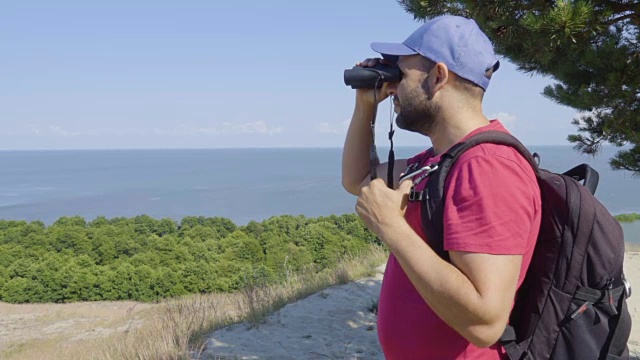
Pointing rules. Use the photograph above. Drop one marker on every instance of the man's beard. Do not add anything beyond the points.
(418, 113)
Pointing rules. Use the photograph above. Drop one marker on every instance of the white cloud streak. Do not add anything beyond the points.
(58, 131)
(227, 128)
(255, 127)
(504, 117)
(336, 129)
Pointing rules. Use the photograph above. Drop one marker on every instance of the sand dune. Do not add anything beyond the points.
(337, 324)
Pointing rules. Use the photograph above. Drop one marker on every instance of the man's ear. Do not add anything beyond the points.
(435, 80)
(440, 74)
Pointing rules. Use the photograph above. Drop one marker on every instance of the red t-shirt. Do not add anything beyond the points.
(492, 205)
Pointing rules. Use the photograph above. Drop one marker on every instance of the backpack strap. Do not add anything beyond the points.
(584, 172)
(618, 348)
(513, 349)
(433, 203)
(621, 329)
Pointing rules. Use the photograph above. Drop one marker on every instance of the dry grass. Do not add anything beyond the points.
(46, 331)
(172, 329)
(176, 329)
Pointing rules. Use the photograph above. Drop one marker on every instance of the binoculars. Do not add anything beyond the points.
(368, 77)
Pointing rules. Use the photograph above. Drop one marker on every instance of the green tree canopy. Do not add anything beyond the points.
(590, 48)
(147, 259)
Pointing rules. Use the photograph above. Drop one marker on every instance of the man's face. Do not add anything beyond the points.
(413, 100)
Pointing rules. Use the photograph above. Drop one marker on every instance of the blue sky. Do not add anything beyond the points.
(212, 74)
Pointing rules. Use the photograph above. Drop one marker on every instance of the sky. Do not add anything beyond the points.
(210, 74)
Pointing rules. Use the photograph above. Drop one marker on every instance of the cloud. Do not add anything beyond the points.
(256, 127)
(510, 121)
(57, 130)
(227, 128)
(35, 129)
(504, 117)
(52, 130)
(339, 129)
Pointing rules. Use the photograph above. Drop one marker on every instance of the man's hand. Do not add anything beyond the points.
(365, 96)
(381, 207)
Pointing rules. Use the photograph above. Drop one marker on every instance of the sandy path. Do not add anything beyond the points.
(337, 324)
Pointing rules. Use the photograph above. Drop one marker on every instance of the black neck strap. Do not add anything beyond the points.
(374, 161)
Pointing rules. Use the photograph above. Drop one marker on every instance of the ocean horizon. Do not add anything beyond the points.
(242, 184)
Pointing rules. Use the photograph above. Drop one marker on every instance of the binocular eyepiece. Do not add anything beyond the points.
(367, 77)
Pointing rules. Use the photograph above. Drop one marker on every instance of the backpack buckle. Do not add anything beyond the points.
(429, 169)
(627, 287)
(415, 195)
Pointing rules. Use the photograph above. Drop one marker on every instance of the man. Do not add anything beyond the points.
(430, 308)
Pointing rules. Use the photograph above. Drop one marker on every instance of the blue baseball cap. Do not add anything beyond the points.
(455, 41)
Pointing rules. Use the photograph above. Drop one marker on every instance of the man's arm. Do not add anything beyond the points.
(489, 213)
(355, 157)
(473, 294)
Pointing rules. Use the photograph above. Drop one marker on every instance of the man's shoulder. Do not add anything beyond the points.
(489, 150)
(500, 155)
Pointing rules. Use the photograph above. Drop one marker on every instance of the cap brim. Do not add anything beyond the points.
(392, 49)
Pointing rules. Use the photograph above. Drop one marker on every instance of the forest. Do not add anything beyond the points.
(147, 259)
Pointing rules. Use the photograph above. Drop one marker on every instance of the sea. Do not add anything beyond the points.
(239, 184)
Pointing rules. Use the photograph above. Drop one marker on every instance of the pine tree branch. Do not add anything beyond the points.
(598, 75)
(619, 7)
(634, 16)
(625, 8)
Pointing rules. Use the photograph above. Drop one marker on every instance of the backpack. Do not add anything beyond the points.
(572, 302)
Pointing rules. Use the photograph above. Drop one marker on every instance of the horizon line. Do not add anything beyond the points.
(245, 148)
